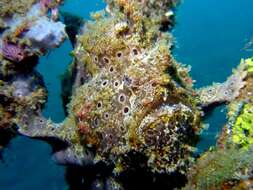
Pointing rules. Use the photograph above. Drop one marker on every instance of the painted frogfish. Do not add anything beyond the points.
(129, 96)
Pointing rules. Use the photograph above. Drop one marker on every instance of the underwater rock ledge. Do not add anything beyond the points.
(229, 165)
(26, 32)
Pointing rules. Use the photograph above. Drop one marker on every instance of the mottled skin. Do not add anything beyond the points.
(135, 98)
(121, 108)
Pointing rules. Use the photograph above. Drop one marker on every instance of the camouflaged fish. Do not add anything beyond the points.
(129, 96)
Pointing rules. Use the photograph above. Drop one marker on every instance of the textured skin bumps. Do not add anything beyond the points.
(135, 98)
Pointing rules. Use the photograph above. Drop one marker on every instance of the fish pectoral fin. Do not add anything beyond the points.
(34, 125)
(70, 156)
(224, 92)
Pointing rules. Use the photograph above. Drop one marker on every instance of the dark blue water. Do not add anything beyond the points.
(210, 36)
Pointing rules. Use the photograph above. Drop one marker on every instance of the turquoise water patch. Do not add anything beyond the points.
(82, 8)
(52, 67)
(210, 36)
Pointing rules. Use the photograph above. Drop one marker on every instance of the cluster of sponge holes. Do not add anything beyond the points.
(101, 62)
(106, 115)
(105, 83)
(133, 53)
(96, 119)
(122, 98)
(119, 55)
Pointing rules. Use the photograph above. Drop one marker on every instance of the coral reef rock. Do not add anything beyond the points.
(26, 32)
(28, 29)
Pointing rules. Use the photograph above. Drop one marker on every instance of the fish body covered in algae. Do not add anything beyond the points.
(133, 96)
(129, 98)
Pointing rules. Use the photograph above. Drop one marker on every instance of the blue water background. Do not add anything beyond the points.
(209, 36)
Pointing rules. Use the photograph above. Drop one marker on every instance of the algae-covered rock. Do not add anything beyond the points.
(22, 89)
(31, 33)
(222, 169)
(20, 44)
(20, 93)
(230, 164)
(11, 7)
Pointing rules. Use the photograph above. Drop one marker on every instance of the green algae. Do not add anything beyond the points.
(249, 63)
(243, 128)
